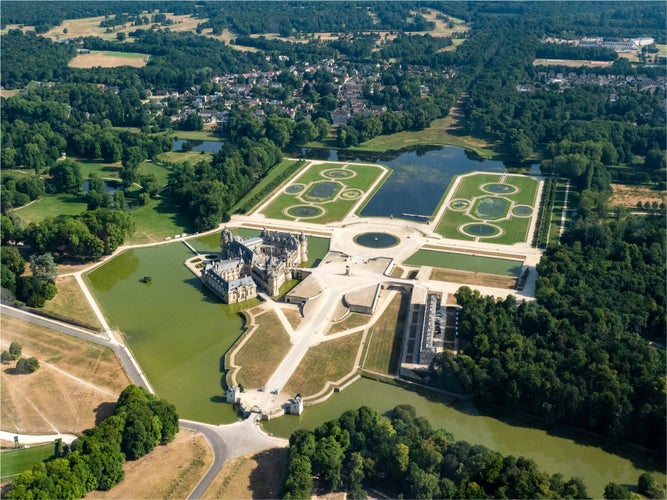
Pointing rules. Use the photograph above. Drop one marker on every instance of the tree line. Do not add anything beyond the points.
(403, 456)
(139, 423)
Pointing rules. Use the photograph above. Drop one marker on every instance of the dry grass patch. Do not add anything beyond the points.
(384, 340)
(253, 476)
(8, 93)
(329, 361)
(77, 384)
(170, 471)
(352, 320)
(570, 63)
(90, 26)
(71, 303)
(629, 196)
(98, 59)
(472, 278)
(293, 316)
(263, 351)
(397, 272)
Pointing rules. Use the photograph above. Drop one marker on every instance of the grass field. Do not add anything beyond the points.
(70, 303)
(275, 173)
(263, 351)
(491, 201)
(384, 344)
(330, 196)
(52, 206)
(108, 59)
(168, 472)
(328, 361)
(557, 212)
(16, 461)
(465, 262)
(352, 320)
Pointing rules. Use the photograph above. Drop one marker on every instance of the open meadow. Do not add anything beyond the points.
(77, 384)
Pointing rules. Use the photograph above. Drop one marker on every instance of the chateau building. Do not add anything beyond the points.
(265, 262)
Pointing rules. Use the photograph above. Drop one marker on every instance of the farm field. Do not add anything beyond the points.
(323, 193)
(465, 262)
(495, 208)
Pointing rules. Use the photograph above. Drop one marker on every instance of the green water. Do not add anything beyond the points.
(584, 457)
(177, 330)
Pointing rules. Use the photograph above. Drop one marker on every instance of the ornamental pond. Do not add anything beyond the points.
(179, 333)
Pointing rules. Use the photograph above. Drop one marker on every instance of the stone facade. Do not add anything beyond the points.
(265, 262)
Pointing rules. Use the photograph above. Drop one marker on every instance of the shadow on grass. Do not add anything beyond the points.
(267, 478)
(103, 411)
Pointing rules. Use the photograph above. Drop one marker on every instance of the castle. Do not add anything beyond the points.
(265, 262)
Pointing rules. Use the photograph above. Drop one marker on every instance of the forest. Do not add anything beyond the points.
(404, 457)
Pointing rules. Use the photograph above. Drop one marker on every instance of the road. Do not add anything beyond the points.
(131, 367)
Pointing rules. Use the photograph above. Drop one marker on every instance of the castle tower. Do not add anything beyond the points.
(225, 240)
(303, 241)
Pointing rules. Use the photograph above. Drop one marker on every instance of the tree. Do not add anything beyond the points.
(66, 177)
(15, 350)
(648, 486)
(27, 365)
(614, 491)
(43, 267)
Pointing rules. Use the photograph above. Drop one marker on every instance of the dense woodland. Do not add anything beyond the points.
(583, 353)
(404, 457)
(140, 422)
(580, 355)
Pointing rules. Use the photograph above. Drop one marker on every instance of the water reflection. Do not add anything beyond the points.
(198, 146)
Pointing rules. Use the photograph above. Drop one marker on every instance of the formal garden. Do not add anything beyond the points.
(495, 208)
(323, 193)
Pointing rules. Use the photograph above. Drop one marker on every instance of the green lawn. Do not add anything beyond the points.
(277, 171)
(16, 461)
(100, 168)
(439, 133)
(384, 344)
(113, 53)
(156, 220)
(464, 262)
(52, 205)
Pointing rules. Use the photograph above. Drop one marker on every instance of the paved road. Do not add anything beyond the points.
(229, 442)
(36, 438)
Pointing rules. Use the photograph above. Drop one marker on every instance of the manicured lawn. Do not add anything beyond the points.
(52, 205)
(352, 320)
(16, 461)
(100, 168)
(557, 212)
(156, 220)
(464, 262)
(384, 346)
(262, 353)
(328, 361)
(325, 191)
(273, 174)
